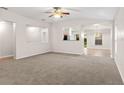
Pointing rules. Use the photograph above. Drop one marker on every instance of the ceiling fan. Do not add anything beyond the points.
(59, 12)
(5, 8)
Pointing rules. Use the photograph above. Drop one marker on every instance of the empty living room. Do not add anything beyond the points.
(61, 45)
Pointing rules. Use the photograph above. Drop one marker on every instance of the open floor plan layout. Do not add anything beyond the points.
(61, 45)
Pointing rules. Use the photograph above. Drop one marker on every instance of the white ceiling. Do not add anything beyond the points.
(98, 26)
(103, 13)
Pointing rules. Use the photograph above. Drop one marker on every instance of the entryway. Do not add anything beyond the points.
(97, 40)
(7, 40)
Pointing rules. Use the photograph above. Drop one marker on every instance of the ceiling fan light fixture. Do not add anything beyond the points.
(57, 16)
(58, 12)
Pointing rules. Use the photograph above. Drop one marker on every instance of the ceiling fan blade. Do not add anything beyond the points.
(46, 12)
(5, 8)
(50, 15)
(56, 8)
(65, 13)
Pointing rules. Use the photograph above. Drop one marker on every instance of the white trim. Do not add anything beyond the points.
(68, 52)
(120, 72)
(7, 56)
(31, 55)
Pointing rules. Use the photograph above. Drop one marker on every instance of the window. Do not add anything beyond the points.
(71, 34)
(98, 38)
(85, 40)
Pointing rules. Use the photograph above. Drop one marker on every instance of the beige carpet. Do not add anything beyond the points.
(53, 68)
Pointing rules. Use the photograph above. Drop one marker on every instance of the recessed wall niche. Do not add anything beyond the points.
(36, 34)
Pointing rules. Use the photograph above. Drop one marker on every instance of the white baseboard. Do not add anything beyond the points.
(6, 56)
(122, 77)
(68, 52)
(26, 56)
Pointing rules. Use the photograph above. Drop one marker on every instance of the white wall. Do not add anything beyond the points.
(74, 47)
(6, 39)
(56, 43)
(24, 49)
(33, 34)
(59, 45)
(106, 39)
(119, 41)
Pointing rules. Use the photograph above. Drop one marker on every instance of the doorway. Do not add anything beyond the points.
(97, 40)
(85, 40)
(7, 40)
(85, 43)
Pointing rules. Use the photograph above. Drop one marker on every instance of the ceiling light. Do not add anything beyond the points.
(59, 11)
(96, 24)
(57, 16)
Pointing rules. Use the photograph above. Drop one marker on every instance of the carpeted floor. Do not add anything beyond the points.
(60, 69)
